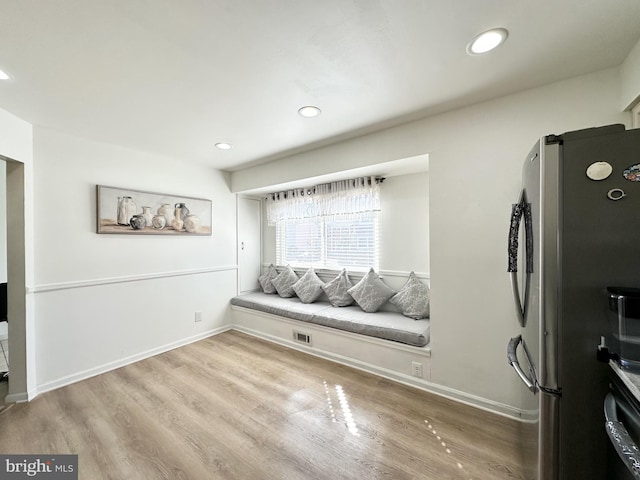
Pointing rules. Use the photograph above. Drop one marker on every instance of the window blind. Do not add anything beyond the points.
(329, 242)
(330, 226)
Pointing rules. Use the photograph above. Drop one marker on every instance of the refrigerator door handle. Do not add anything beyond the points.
(512, 356)
(518, 211)
(620, 439)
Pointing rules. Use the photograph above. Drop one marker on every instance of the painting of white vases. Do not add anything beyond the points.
(136, 212)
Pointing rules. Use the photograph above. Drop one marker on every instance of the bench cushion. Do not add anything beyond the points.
(387, 325)
(277, 305)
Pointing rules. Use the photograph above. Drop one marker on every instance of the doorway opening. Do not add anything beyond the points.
(19, 306)
(4, 326)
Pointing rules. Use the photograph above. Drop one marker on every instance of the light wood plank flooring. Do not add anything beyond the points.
(235, 407)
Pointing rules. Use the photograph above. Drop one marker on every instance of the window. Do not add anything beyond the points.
(331, 226)
(329, 242)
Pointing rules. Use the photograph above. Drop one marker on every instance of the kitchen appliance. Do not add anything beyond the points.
(622, 415)
(574, 230)
(624, 326)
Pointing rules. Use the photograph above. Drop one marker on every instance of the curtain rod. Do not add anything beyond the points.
(311, 189)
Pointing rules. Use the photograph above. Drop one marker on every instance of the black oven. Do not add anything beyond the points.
(622, 422)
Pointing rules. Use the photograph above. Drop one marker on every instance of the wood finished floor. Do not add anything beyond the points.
(235, 407)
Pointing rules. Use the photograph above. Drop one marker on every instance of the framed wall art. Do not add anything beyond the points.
(135, 212)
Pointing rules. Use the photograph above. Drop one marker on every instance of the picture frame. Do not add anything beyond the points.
(137, 212)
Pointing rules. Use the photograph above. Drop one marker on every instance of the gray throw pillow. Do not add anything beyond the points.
(371, 292)
(412, 299)
(337, 288)
(309, 287)
(284, 282)
(266, 278)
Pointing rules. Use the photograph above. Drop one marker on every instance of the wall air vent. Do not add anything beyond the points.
(302, 337)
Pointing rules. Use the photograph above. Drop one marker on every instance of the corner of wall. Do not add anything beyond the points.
(630, 79)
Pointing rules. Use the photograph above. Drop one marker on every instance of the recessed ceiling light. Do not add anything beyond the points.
(309, 111)
(4, 75)
(223, 146)
(487, 41)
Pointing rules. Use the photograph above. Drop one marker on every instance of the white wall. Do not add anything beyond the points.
(404, 223)
(475, 159)
(104, 300)
(630, 81)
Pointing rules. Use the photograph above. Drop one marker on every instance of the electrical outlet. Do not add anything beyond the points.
(198, 316)
(416, 369)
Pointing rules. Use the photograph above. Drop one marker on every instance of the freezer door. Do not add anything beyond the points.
(533, 353)
(543, 174)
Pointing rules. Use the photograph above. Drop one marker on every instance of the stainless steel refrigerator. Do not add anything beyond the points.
(574, 231)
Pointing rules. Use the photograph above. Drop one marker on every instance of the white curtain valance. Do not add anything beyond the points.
(345, 197)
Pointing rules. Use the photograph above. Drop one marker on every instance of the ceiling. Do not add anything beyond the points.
(175, 77)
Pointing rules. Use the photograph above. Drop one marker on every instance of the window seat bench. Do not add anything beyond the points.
(387, 325)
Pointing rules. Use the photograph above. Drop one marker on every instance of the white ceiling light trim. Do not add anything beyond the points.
(4, 75)
(309, 111)
(487, 41)
(224, 146)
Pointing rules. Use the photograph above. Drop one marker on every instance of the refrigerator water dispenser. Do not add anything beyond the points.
(624, 325)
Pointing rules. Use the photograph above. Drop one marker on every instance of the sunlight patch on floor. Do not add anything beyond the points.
(329, 402)
(444, 445)
(345, 409)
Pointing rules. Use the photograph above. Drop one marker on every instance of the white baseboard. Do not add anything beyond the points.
(92, 372)
(18, 398)
(450, 393)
